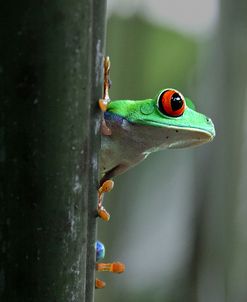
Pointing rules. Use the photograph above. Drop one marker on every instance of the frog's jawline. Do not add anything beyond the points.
(113, 117)
(131, 143)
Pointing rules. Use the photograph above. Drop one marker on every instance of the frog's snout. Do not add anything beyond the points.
(209, 121)
(211, 128)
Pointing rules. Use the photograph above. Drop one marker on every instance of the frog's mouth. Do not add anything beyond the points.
(187, 137)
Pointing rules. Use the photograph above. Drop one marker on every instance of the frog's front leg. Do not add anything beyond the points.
(107, 185)
(103, 103)
(106, 99)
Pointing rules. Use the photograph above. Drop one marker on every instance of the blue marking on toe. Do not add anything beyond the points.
(100, 250)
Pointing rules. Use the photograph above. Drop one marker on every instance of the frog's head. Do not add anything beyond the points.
(169, 110)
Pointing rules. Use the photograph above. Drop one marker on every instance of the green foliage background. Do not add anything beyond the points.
(146, 58)
(179, 218)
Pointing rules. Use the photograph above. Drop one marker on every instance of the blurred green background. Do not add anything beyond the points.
(179, 219)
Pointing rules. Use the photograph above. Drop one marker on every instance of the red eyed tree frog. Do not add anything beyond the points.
(131, 130)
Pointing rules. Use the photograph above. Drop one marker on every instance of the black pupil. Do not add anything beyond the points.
(176, 102)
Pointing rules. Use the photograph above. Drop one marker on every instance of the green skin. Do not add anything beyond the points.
(138, 128)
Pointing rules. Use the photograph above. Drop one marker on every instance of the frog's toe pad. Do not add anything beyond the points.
(107, 186)
(103, 214)
(103, 104)
(99, 283)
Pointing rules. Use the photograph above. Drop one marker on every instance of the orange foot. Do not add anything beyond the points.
(107, 186)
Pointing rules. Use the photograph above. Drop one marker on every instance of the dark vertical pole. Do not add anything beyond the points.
(50, 79)
(98, 34)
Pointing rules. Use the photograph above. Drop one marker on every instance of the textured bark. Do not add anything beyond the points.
(50, 80)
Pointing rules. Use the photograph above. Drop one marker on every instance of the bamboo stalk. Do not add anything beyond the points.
(50, 77)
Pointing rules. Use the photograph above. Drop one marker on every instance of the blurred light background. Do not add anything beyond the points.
(179, 219)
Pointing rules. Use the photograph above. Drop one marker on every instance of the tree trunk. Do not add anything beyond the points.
(51, 78)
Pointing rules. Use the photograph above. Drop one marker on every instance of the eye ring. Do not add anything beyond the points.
(171, 102)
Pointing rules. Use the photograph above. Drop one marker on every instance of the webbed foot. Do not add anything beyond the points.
(113, 267)
(107, 186)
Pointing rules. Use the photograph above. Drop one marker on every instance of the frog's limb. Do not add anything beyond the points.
(107, 82)
(106, 99)
(103, 103)
(99, 283)
(113, 267)
(106, 186)
(119, 169)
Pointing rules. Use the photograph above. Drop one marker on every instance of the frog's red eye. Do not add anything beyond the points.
(171, 103)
